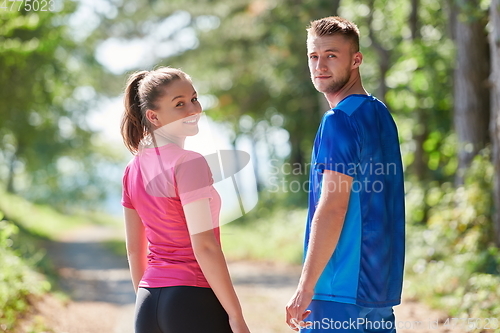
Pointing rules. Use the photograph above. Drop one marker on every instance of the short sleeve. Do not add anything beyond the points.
(337, 144)
(126, 202)
(193, 178)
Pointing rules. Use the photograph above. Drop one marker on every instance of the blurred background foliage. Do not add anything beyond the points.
(434, 63)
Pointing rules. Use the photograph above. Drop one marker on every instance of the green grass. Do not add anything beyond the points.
(117, 246)
(278, 237)
(18, 278)
(25, 270)
(39, 220)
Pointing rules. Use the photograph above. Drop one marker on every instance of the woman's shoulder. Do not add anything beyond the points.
(131, 163)
(190, 154)
(170, 156)
(192, 159)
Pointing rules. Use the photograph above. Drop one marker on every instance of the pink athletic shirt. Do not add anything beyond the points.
(157, 183)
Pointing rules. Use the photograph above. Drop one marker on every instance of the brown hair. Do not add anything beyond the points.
(142, 91)
(335, 25)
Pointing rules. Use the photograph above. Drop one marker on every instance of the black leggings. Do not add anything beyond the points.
(179, 309)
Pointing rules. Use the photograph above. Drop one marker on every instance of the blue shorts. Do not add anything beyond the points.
(328, 316)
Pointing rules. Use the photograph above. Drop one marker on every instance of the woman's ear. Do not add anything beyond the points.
(152, 117)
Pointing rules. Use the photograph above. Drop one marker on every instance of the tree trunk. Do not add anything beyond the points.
(471, 91)
(256, 163)
(495, 110)
(452, 13)
(384, 55)
(414, 21)
(10, 176)
(421, 132)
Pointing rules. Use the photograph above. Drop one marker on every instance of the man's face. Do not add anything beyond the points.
(331, 60)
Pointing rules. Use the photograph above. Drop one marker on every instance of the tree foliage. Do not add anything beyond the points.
(47, 89)
(248, 61)
(248, 57)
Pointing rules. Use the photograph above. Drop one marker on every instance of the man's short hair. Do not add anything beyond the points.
(333, 25)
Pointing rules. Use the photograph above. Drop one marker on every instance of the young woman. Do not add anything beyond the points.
(172, 212)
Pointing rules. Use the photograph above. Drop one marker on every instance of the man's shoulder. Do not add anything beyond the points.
(357, 102)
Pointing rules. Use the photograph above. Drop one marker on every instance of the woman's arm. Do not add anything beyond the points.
(136, 245)
(209, 255)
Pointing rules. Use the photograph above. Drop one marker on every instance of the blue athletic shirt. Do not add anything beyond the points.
(359, 138)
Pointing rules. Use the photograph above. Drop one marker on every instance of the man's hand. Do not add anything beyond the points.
(296, 309)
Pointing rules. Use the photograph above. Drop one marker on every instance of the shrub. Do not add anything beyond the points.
(18, 280)
(452, 261)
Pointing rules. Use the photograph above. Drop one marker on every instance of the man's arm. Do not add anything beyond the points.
(326, 227)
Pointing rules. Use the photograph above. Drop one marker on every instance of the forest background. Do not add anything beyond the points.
(436, 64)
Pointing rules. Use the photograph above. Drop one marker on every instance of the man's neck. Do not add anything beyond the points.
(352, 87)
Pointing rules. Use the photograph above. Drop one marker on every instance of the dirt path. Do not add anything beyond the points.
(98, 282)
(102, 297)
(265, 289)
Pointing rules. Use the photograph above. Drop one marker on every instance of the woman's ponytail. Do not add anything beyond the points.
(133, 126)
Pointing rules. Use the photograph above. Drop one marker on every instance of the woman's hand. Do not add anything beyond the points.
(238, 325)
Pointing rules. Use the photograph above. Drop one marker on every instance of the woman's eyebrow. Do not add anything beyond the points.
(180, 96)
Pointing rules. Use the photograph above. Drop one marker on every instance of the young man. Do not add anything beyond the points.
(354, 245)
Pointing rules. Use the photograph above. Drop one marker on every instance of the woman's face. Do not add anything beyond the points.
(178, 110)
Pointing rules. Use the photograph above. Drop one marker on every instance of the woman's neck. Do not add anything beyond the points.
(161, 138)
